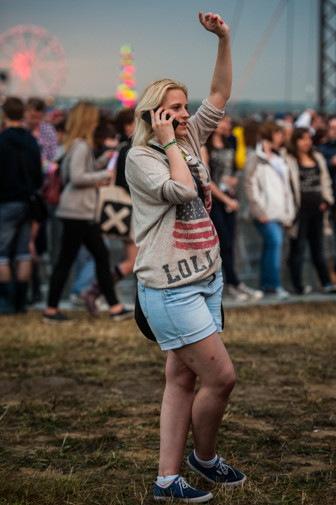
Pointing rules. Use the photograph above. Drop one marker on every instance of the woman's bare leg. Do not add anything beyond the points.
(175, 414)
(209, 360)
(5, 273)
(24, 270)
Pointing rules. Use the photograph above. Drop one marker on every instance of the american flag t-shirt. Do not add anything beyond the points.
(193, 228)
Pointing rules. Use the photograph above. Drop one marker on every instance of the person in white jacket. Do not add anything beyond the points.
(271, 204)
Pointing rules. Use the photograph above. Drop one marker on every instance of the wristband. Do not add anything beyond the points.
(172, 143)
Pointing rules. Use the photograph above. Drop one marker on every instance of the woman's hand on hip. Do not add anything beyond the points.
(263, 219)
(163, 127)
(214, 23)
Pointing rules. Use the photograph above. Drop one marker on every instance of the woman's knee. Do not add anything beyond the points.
(226, 381)
(273, 235)
(180, 377)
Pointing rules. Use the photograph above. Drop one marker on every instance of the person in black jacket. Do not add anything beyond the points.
(20, 173)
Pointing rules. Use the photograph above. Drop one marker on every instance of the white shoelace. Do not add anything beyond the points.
(183, 483)
(223, 466)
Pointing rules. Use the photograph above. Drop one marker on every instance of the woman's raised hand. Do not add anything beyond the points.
(214, 23)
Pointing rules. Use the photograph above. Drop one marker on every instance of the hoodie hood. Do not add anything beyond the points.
(17, 137)
(18, 149)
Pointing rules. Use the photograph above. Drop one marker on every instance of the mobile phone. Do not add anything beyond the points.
(147, 117)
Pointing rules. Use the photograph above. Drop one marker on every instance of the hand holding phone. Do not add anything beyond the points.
(147, 117)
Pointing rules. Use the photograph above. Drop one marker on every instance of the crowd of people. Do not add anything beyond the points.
(288, 167)
(61, 158)
(288, 174)
(287, 164)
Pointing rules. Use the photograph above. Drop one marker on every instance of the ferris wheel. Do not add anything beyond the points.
(32, 62)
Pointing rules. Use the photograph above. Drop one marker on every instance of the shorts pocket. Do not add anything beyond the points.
(142, 299)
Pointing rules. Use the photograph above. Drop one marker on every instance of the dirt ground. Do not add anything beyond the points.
(80, 404)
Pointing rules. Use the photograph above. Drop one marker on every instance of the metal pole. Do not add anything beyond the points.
(327, 54)
(321, 102)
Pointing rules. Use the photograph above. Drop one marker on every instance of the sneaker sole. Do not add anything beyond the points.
(201, 499)
(256, 297)
(50, 321)
(236, 483)
(238, 298)
(122, 317)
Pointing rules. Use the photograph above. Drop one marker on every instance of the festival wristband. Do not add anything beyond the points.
(172, 143)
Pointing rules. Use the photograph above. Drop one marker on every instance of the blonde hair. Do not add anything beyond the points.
(153, 96)
(81, 123)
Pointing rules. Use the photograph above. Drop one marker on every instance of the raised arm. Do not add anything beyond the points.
(220, 88)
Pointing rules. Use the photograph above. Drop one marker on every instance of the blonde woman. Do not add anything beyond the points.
(81, 175)
(179, 271)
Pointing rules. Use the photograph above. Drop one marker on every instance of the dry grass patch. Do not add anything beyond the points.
(80, 409)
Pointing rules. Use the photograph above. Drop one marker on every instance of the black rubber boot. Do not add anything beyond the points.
(20, 302)
(6, 298)
(35, 286)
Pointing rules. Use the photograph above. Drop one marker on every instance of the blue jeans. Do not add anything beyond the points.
(15, 228)
(85, 271)
(270, 261)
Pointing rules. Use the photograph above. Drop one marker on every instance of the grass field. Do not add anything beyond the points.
(80, 405)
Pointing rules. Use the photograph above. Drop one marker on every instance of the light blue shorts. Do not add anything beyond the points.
(186, 314)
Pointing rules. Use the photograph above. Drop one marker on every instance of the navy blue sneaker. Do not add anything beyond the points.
(179, 490)
(55, 318)
(220, 472)
(122, 315)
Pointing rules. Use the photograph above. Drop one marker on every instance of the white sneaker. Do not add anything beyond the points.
(77, 300)
(279, 293)
(236, 294)
(101, 303)
(257, 294)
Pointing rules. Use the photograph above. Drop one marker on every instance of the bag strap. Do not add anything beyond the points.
(158, 148)
(141, 320)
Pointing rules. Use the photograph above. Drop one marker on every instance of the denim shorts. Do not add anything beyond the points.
(15, 228)
(185, 314)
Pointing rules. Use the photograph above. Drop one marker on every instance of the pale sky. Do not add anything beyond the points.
(168, 41)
